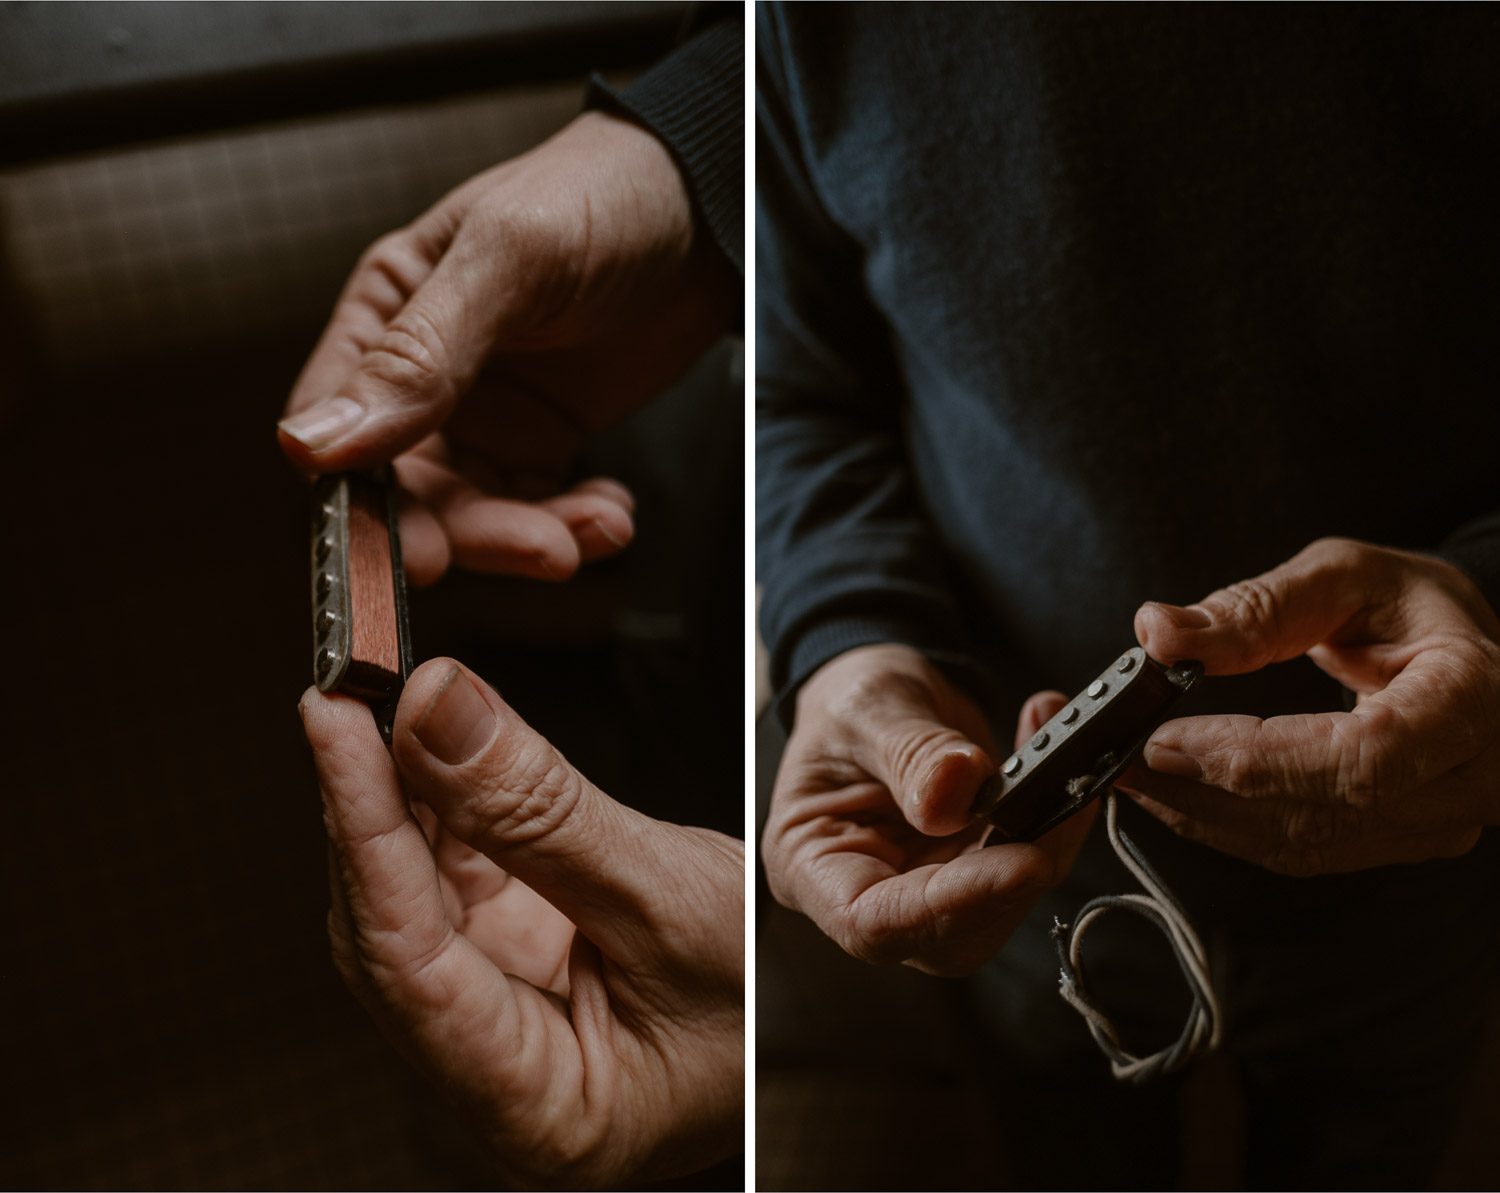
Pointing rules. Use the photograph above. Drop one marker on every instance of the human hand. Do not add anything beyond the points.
(569, 971)
(1410, 774)
(563, 288)
(870, 833)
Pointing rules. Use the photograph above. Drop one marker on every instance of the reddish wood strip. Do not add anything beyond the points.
(375, 653)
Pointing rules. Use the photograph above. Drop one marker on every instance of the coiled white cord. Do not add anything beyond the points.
(1201, 1032)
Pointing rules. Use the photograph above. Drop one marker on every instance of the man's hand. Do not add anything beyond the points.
(569, 971)
(1412, 773)
(870, 833)
(564, 288)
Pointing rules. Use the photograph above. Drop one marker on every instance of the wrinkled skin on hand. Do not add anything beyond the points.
(1412, 773)
(870, 833)
(568, 971)
(481, 345)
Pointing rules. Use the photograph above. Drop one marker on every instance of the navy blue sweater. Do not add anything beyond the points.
(1063, 308)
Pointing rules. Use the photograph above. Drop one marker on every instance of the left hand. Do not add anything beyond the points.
(1412, 773)
(479, 347)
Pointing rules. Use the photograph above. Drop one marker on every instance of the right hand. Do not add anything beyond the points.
(565, 288)
(870, 833)
(569, 971)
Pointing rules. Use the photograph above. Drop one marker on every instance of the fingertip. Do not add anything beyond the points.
(321, 428)
(425, 553)
(610, 489)
(605, 535)
(335, 723)
(423, 684)
(601, 525)
(1039, 708)
(943, 801)
(457, 722)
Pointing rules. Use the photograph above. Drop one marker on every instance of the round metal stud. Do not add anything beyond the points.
(326, 660)
(325, 585)
(326, 620)
(325, 545)
(1126, 664)
(1039, 742)
(1070, 714)
(1098, 688)
(1012, 767)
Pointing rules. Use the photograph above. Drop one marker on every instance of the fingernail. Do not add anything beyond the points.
(321, 426)
(457, 722)
(947, 761)
(1190, 617)
(605, 531)
(1168, 761)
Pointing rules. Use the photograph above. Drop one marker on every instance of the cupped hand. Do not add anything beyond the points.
(558, 291)
(1412, 773)
(870, 833)
(569, 971)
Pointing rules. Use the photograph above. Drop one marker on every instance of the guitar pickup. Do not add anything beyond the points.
(361, 639)
(1074, 757)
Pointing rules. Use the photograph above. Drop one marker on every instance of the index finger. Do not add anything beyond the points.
(1422, 725)
(417, 963)
(385, 277)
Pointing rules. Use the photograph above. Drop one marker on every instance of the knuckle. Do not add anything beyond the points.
(412, 357)
(1255, 605)
(534, 792)
(1296, 861)
(874, 944)
(386, 255)
(913, 749)
(1336, 551)
(1239, 771)
(1312, 826)
(873, 931)
(417, 979)
(1362, 766)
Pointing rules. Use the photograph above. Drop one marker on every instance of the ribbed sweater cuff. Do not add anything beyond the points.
(1475, 550)
(694, 102)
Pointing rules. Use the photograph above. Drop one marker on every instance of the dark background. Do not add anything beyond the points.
(185, 189)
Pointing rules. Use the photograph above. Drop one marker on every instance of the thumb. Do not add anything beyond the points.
(906, 738)
(503, 789)
(410, 373)
(1269, 618)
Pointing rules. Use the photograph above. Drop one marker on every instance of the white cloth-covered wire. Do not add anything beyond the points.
(1201, 1032)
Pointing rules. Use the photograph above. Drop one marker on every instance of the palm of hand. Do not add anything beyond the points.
(514, 927)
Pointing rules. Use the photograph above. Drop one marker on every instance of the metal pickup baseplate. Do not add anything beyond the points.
(1074, 757)
(361, 638)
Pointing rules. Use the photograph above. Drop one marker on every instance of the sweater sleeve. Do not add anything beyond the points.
(693, 101)
(1474, 548)
(845, 553)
